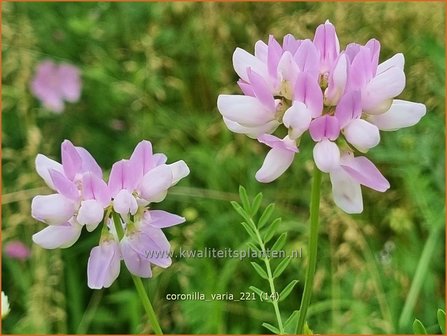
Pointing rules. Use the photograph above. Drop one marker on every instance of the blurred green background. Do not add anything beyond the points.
(154, 71)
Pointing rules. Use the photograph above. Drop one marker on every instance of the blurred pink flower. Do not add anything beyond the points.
(15, 249)
(54, 84)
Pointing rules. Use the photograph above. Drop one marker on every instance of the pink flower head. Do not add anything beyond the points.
(15, 249)
(82, 198)
(54, 84)
(342, 97)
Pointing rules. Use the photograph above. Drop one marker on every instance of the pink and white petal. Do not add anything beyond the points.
(374, 47)
(43, 167)
(326, 155)
(261, 50)
(364, 172)
(362, 134)
(337, 81)
(346, 192)
(327, 44)
(162, 219)
(261, 89)
(179, 170)
(135, 263)
(308, 91)
(386, 85)
(71, 160)
(307, 59)
(275, 164)
(90, 214)
(58, 236)
(361, 69)
(242, 60)
(252, 132)
(89, 164)
(245, 110)
(290, 44)
(324, 127)
(287, 68)
(274, 52)
(348, 108)
(159, 159)
(151, 243)
(397, 60)
(246, 88)
(274, 142)
(122, 177)
(95, 188)
(401, 114)
(103, 265)
(54, 209)
(155, 183)
(142, 158)
(297, 119)
(125, 203)
(64, 186)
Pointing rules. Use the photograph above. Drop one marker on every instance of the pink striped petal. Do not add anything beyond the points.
(308, 91)
(364, 172)
(64, 186)
(103, 265)
(324, 127)
(95, 188)
(261, 89)
(162, 219)
(348, 108)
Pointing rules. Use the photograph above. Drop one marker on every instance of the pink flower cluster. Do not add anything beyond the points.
(55, 84)
(343, 98)
(83, 198)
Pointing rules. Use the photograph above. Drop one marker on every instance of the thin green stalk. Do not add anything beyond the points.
(271, 282)
(312, 249)
(139, 284)
(418, 280)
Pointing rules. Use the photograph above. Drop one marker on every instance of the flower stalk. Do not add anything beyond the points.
(139, 284)
(312, 249)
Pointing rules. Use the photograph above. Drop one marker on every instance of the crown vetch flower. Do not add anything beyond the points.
(54, 84)
(343, 97)
(82, 198)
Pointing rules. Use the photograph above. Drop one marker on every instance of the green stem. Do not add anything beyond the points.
(271, 282)
(312, 249)
(139, 284)
(418, 280)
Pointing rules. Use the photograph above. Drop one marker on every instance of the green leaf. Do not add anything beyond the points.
(271, 230)
(259, 270)
(256, 204)
(292, 322)
(307, 330)
(240, 211)
(287, 290)
(254, 247)
(244, 199)
(280, 242)
(266, 215)
(250, 231)
(441, 320)
(418, 328)
(281, 267)
(273, 329)
(258, 291)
